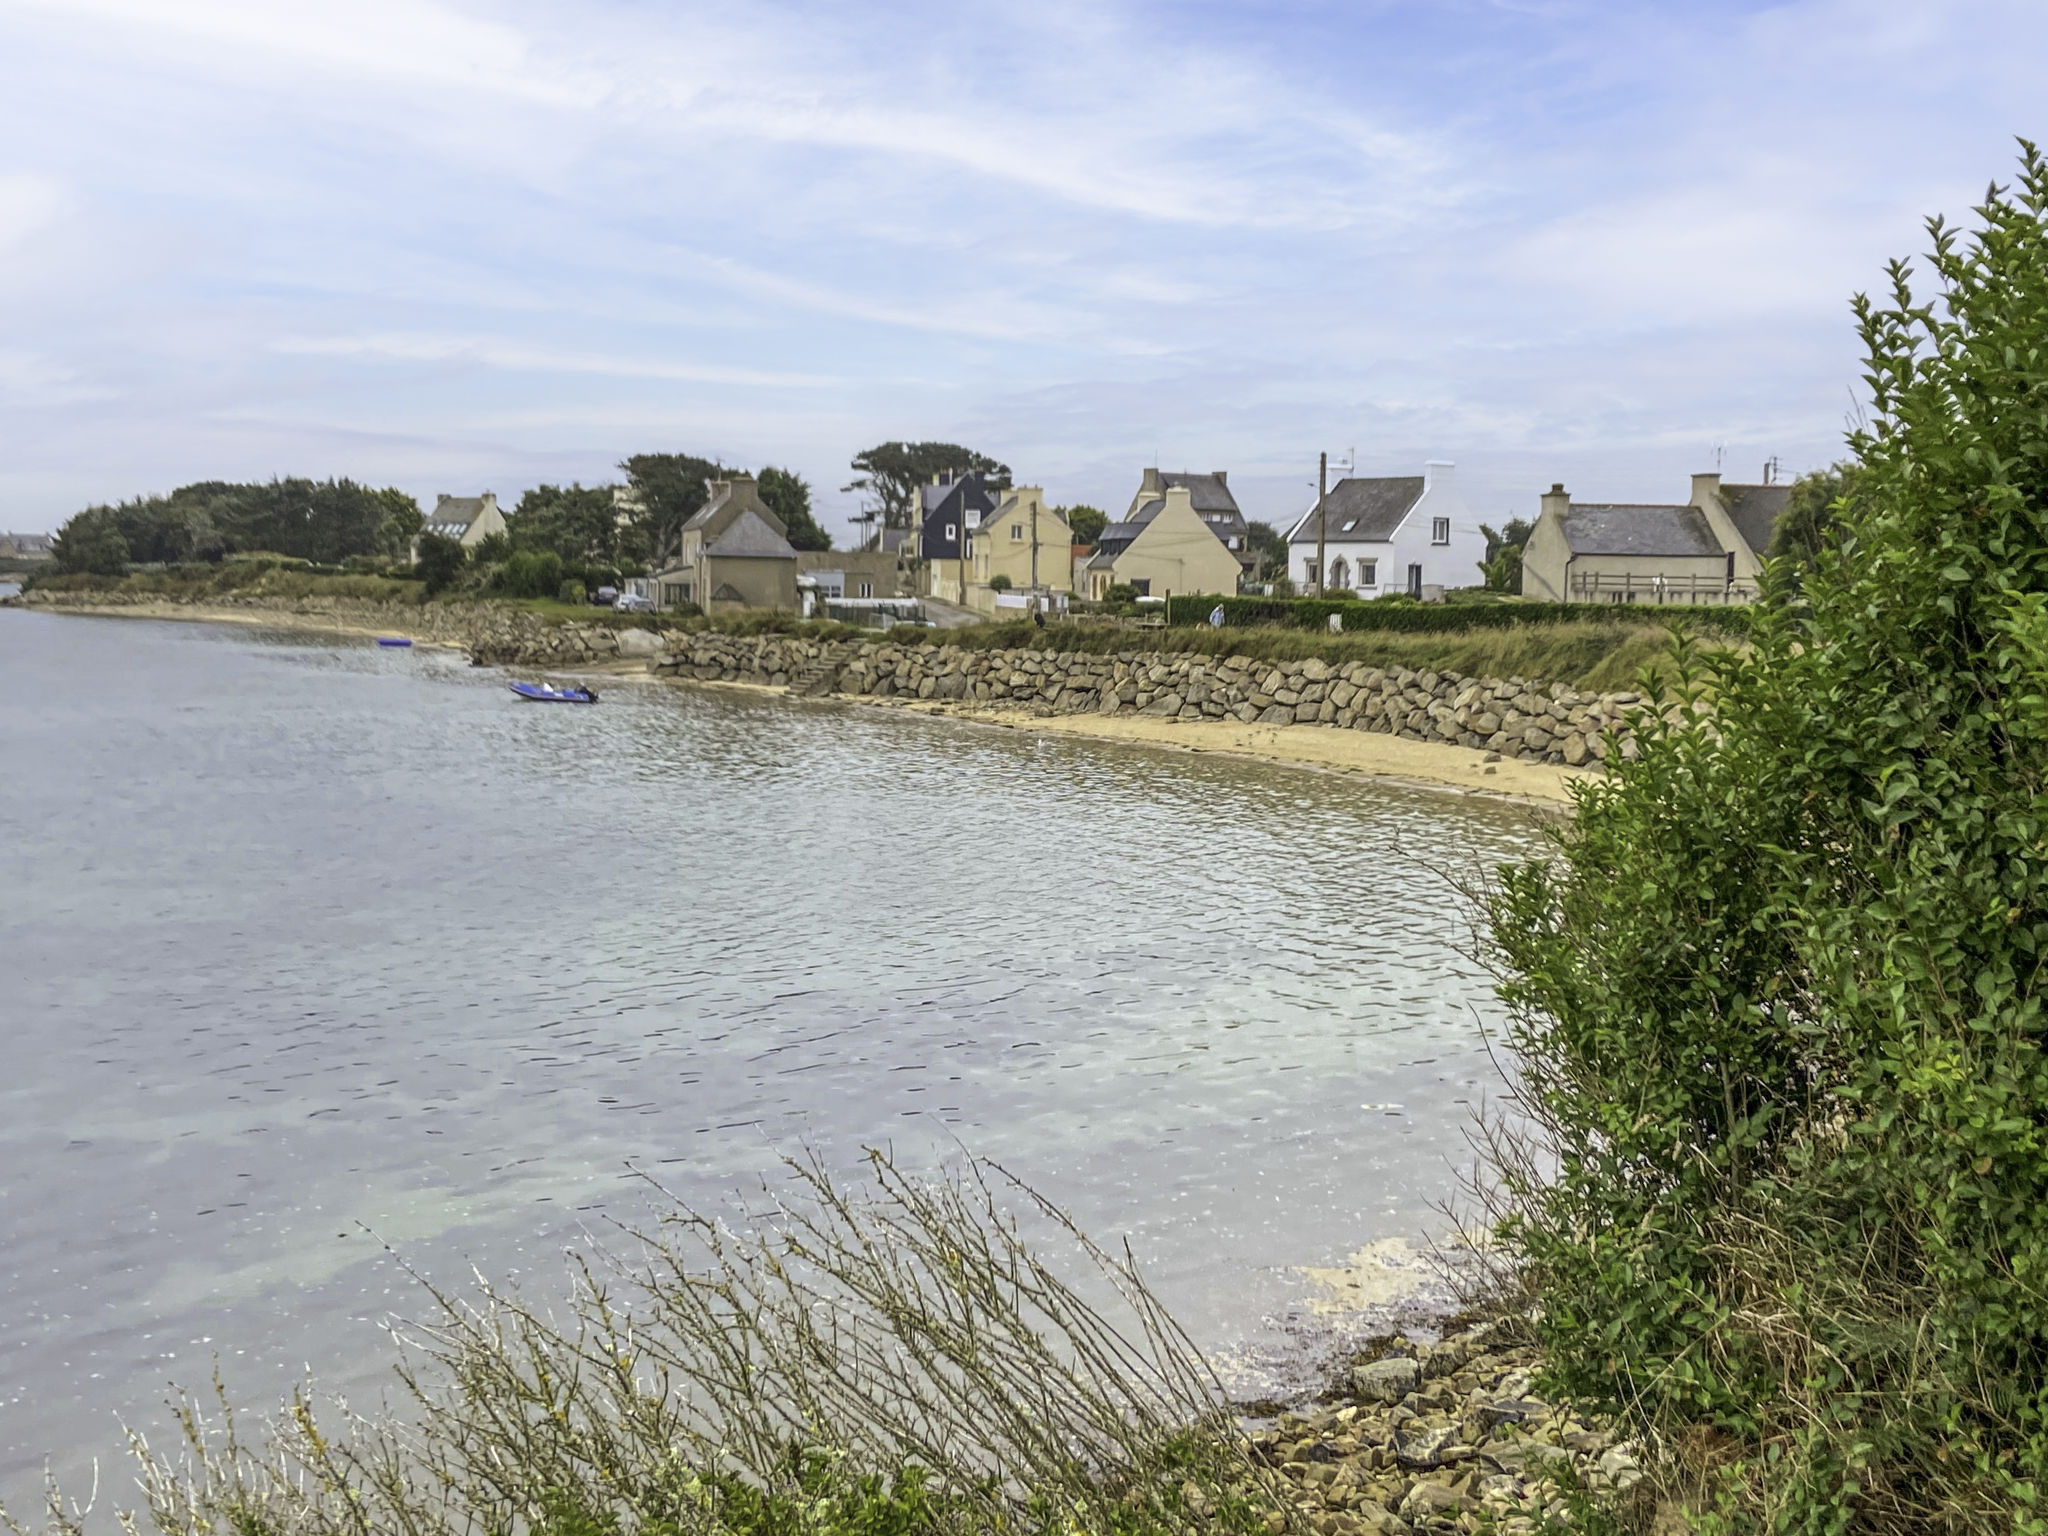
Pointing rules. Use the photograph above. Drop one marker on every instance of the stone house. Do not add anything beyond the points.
(1401, 533)
(735, 554)
(1707, 550)
(843, 573)
(1183, 533)
(468, 520)
(26, 546)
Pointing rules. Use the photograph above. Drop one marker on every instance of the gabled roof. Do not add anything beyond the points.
(1362, 510)
(1755, 510)
(737, 524)
(454, 516)
(1209, 493)
(1614, 528)
(1113, 541)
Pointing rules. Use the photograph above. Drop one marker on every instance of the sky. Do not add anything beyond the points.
(456, 245)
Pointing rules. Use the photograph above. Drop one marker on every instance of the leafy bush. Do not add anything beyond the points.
(1121, 594)
(530, 573)
(440, 561)
(1777, 992)
(999, 583)
(571, 591)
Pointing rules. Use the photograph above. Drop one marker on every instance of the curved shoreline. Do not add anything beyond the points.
(1441, 766)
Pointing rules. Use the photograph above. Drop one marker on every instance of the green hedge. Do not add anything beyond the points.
(1188, 610)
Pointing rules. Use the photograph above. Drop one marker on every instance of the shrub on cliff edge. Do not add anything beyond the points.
(1777, 992)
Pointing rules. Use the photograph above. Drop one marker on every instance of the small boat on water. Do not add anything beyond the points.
(542, 693)
(393, 640)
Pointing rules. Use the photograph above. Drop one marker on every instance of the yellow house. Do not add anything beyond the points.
(1023, 540)
(1167, 543)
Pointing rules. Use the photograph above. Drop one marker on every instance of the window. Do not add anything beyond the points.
(1016, 532)
(867, 589)
(1144, 587)
(1368, 573)
(1308, 571)
(1233, 542)
(952, 532)
(1439, 530)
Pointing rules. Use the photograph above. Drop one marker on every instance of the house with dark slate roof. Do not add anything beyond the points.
(949, 511)
(1707, 550)
(1381, 534)
(1183, 533)
(735, 554)
(468, 520)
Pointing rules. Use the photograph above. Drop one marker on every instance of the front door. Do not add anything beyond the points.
(1415, 581)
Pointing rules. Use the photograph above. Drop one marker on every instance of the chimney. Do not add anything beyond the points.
(1222, 477)
(1705, 488)
(1436, 472)
(1151, 484)
(1557, 499)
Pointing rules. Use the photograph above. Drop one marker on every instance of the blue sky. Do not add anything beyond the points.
(452, 244)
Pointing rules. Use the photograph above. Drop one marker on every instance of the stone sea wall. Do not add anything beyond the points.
(1539, 722)
(1516, 717)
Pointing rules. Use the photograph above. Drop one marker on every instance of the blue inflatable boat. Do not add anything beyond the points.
(541, 693)
(393, 640)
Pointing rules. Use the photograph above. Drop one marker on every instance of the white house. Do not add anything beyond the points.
(1394, 534)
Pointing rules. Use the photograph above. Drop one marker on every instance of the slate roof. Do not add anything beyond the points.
(747, 537)
(1112, 542)
(454, 516)
(1613, 528)
(1207, 492)
(1755, 510)
(1362, 510)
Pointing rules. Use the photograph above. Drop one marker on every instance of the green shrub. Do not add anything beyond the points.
(571, 591)
(440, 560)
(530, 573)
(999, 583)
(1120, 594)
(1777, 992)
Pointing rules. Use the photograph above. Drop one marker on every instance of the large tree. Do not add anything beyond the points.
(1086, 522)
(670, 489)
(1502, 566)
(577, 523)
(890, 473)
(319, 520)
(788, 496)
(1269, 551)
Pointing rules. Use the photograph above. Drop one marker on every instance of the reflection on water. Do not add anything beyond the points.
(312, 946)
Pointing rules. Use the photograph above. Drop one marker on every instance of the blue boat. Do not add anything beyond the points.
(541, 693)
(393, 640)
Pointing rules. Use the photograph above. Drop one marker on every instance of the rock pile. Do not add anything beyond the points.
(1443, 1437)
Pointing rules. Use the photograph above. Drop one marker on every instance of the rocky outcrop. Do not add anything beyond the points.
(1547, 723)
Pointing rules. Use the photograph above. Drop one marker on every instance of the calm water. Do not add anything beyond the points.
(305, 937)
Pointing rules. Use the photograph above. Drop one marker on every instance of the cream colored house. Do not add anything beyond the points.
(468, 520)
(1183, 533)
(1023, 540)
(735, 554)
(1709, 550)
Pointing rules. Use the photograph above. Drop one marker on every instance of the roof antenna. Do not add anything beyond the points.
(1720, 453)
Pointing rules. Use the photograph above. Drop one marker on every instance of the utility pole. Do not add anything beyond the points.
(1034, 546)
(1322, 523)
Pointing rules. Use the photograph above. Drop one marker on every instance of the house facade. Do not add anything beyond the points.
(844, 573)
(1384, 534)
(26, 546)
(1025, 541)
(1183, 533)
(735, 554)
(1708, 550)
(949, 510)
(468, 520)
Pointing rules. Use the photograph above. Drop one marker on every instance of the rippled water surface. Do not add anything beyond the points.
(304, 938)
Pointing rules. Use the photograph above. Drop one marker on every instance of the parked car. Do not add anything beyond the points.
(633, 602)
(606, 596)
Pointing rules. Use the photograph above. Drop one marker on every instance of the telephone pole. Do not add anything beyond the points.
(1322, 523)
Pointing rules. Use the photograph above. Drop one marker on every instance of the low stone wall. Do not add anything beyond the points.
(1547, 723)
(1539, 722)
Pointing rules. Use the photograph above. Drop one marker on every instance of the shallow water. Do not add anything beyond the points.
(308, 941)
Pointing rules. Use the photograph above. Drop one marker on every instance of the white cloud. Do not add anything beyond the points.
(517, 357)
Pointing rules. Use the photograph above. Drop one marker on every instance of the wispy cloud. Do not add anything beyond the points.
(517, 358)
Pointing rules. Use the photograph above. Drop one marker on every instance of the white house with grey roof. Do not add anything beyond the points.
(1382, 534)
(468, 520)
(1708, 550)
